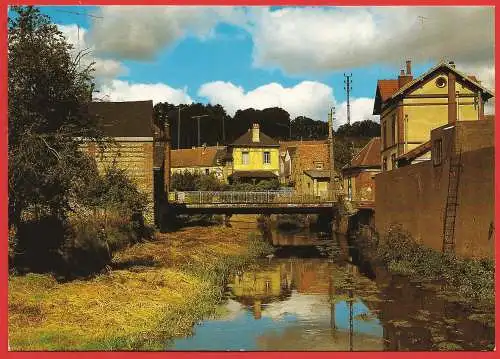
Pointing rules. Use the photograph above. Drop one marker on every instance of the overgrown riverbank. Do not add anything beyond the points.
(155, 291)
(469, 281)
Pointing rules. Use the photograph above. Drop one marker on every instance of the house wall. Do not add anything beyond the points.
(362, 183)
(415, 196)
(304, 158)
(314, 187)
(426, 108)
(256, 159)
(135, 158)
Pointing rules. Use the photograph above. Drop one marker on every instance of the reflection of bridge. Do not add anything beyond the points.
(230, 202)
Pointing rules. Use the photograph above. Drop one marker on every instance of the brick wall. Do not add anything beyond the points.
(415, 196)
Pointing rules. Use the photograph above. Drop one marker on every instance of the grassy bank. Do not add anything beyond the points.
(469, 281)
(155, 291)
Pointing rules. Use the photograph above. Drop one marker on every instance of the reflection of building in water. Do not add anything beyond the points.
(271, 283)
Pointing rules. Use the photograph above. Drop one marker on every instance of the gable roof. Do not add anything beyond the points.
(442, 65)
(416, 152)
(388, 90)
(368, 156)
(245, 140)
(196, 157)
(319, 174)
(124, 119)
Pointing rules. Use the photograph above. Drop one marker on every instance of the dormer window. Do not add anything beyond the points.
(318, 165)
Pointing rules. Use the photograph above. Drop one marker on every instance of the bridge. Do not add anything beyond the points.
(253, 202)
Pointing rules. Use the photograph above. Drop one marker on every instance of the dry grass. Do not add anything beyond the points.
(153, 297)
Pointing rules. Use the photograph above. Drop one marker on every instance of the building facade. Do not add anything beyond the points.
(255, 157)
(358, 177)
(410, 108)
(202, 160)
(128, 127)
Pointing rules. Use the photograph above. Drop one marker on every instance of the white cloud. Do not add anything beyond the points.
(361, 109)
(299, 40)
(104, 69)
(118, 90)
(308, 98)
(140, 32)
(311, 99)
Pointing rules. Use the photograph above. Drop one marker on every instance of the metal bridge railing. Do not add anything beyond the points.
(238, 197)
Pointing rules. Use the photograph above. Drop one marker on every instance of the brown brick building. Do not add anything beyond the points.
(359, 183)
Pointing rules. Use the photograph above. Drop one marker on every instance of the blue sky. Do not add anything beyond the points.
(288, 57)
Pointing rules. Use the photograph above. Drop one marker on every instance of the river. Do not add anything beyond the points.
(310, 296)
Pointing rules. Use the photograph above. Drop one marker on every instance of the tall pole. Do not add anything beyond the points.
(332, 158)
(179, 128)
(199, 134)
(348, 88)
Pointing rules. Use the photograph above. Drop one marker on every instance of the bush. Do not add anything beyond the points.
(472, 279)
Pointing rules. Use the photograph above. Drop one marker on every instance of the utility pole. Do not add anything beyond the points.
(199, 134)
(331, 116)
(348, 88)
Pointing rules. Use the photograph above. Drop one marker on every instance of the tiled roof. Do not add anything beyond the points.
(306, 155)
(124, 119)
(253, 174)
(284, 145)
(369, 156)
(246, 140)
(387, 88)
(195, 157)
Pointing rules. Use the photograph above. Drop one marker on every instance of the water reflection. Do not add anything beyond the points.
(302, 300)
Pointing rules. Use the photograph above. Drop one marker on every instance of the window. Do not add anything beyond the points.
(437, 155)
(318, 165)
(384, 135)
(245, 158)
(207, 171)
(267, 158)
(384, 164)
(393, 129)
(393, 161)
(441, 82)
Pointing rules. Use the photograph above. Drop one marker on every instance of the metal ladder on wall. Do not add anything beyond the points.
(450, 211)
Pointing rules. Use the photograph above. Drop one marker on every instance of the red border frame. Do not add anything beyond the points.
(4, 186)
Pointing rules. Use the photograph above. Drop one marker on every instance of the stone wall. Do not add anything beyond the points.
(136, 158)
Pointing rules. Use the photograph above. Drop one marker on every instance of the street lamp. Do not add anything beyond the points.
(198, 118)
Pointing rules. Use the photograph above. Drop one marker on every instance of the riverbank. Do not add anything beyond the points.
(154, 291)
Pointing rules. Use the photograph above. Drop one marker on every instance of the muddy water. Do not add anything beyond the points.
(311, 296)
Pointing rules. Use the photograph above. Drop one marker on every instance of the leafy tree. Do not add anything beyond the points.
(48, 90)
(365, 128)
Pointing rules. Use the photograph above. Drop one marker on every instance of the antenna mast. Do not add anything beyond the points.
(348, 88)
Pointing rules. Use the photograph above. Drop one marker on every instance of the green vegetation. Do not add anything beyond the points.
(471, 279)
(155, 291)
(64, 216)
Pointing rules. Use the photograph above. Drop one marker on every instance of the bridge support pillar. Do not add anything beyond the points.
(227, 220)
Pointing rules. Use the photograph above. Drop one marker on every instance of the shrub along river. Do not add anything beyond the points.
(310, 295)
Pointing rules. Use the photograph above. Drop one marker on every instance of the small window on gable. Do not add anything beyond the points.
(441, 82)
(318, 165)
(207, 171)
(437, 152)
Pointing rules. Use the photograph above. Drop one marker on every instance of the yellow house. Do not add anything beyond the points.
(410, 108)
(255, 157)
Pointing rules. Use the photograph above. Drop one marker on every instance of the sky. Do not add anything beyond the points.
(290, 57)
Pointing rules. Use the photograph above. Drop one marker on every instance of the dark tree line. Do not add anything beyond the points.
(217, 127)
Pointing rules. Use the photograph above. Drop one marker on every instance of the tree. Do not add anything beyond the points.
(48, 91)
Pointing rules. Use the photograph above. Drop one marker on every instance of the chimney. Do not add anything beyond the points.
(408, 67)
(255, 133)
(403, 77)
(166, 158)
